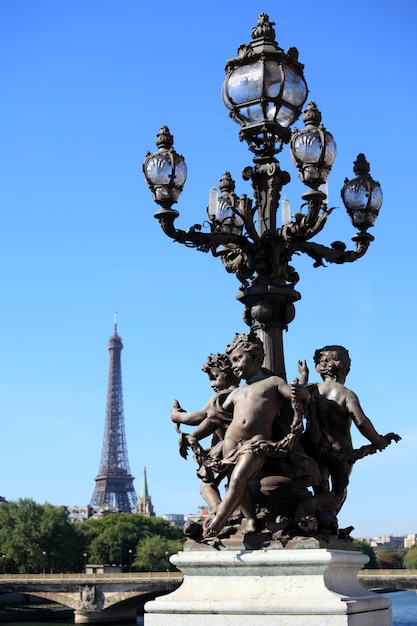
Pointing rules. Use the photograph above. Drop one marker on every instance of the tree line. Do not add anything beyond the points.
(39, 538)
(388, 557)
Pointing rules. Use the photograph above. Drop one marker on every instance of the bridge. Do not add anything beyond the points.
(95, 597)
(385, 580)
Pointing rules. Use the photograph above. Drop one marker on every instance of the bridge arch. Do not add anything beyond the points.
(95, 598)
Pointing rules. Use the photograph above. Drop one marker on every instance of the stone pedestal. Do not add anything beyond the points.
(269, 587)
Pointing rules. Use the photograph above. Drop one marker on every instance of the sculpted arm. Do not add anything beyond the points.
(294, 392)
(363, 424)
(192, 418)
(303, 372)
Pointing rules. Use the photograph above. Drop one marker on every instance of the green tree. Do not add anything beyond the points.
(38, 537)
(113, 538)
(152, 554)
(390, 558)
(20, 534)
(59, 540)
(365, 548)
(410, 559)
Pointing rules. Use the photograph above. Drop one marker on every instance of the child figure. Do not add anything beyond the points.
(332, 410)
(211, 419)
(255, 406)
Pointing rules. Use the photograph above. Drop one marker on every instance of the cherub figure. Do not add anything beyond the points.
(255, 406)
(211, 419)
(330, 414)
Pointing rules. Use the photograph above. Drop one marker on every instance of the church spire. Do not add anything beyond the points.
(144, 489)
(144, 504)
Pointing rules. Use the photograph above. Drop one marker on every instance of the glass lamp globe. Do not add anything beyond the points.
(165, 171)
(264, 89)
(221, 207)
(313, 149)
(362, 196)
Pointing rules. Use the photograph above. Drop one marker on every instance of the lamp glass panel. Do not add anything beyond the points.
(330, 152)
(307, 147)
(271, 112)
(158, 169)
(245, 84)
(286, 116)
(356, 196)
(376, 198)
(224, 210)
(272, 79)
(295, 89)
(251, 114)
(180, 171)
(165, 192)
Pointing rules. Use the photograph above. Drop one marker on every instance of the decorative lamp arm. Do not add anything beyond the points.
(194, 238)
(337, 252)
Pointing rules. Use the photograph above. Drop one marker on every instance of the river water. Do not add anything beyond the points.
(404, 608)
(404, 611)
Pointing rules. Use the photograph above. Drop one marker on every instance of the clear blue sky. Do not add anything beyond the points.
(85, 86)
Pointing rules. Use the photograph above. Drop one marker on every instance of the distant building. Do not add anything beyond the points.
(410, 540)
(175, 519)
(78, 513)
(91, 568)
(392, 541)
(83, 513)
(144, 503)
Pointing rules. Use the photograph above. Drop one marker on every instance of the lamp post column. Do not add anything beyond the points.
(269, 299)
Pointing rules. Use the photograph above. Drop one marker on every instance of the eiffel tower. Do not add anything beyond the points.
(114, 484)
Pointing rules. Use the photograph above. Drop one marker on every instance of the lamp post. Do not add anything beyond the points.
(265, 91)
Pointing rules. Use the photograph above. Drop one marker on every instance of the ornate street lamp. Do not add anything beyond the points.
(165, 171)
(265, 91)
(313, 149)
(362, 197)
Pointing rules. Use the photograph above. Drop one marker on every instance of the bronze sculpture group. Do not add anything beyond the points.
(283, 451)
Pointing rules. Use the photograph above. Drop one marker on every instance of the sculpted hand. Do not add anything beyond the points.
(302, 367)
(387, 439)
(381, 442)
(298, 393)
(176, 412)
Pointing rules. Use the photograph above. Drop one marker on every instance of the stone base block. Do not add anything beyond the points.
(318, 587)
